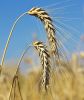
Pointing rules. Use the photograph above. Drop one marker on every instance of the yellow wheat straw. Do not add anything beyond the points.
(15, 78)
(9, 37)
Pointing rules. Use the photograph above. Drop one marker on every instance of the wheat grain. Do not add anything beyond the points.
(45, 61)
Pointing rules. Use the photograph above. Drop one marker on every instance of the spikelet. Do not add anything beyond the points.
(45, 61)
(50, 29)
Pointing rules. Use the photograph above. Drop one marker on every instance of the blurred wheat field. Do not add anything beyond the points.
(69, 87)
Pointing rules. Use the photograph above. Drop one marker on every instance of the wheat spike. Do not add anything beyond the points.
(50, 29)
(45, 61)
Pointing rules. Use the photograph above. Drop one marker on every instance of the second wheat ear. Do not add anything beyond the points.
(50, 29)
(45, 61)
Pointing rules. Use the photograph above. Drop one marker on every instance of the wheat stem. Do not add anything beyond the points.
(9, 37)
(15, 78)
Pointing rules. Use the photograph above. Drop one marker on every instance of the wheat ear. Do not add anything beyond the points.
(50, 29)
(45, 61)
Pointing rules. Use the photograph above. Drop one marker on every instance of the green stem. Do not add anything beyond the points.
(9, 37)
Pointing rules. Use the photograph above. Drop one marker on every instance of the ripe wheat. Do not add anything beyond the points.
(50, 29)
(45, 61)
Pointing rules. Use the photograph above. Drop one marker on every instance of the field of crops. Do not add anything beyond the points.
(66, 86)
(53, 69)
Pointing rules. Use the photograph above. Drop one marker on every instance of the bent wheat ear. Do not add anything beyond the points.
(45, 61)
(50, 29)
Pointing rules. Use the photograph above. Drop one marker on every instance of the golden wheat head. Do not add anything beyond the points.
(45, 61)
(50, 29)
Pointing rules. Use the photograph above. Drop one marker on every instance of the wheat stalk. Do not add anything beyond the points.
(45, 61)
(15, 78)
(50, 29)
(8, 40)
